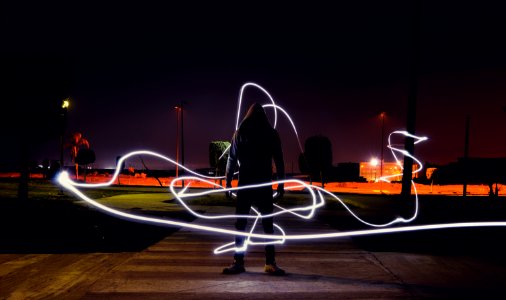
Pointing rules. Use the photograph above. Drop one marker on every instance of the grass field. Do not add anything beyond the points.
(51, 221)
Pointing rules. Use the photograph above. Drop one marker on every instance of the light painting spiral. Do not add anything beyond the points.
(316, 194)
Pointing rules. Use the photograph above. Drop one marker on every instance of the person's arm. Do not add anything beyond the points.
(232, 161)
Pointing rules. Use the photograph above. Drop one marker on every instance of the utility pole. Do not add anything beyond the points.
(177, 139)
(180, 113)
(63, 125)
(382, 150)
(382, 141)
(409, 143)
(182, 140)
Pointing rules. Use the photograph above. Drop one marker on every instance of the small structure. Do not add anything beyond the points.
(371, 170)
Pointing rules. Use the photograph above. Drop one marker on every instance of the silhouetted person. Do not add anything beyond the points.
(255, 144)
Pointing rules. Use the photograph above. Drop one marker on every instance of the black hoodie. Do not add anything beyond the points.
(254, 145)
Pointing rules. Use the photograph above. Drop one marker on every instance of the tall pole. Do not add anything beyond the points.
(63, 114)
(177, 140)
(382, 140)
(61, 151)
(382, 146)
(466, 155)
(182, 140)
(409, 143)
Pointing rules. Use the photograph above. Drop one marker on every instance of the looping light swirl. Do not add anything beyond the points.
(316, 194)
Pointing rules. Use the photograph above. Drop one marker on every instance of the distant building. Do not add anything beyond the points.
(371, 171)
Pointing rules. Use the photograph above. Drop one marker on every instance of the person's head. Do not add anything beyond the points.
(255, 117)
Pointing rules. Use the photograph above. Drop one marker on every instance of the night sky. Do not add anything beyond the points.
(334, 68)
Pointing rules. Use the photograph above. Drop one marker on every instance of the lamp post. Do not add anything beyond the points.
(180, 116)
(177, 108)
(382, 115)
(63, 125)
(409, 142)
(63, 115)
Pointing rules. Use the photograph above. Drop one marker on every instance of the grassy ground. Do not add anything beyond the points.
(54, 222)
(484, 242)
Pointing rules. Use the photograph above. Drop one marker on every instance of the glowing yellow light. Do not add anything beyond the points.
(374, 162)
(66, 103)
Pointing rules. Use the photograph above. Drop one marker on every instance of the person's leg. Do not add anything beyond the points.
(242, 208)
(265, 206)
(267, 224)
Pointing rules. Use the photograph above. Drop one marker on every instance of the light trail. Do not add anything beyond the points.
(241, 93)
(273, 105)
(66, 182)
(276, 107)
(305, 212)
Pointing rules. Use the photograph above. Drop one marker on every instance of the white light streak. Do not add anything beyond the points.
(276, 107)
(241, 93)
(65, 181)
(305, 212)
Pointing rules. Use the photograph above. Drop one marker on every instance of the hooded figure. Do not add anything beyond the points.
(254, 145)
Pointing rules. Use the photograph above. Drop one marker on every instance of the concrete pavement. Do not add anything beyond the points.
(183, 266)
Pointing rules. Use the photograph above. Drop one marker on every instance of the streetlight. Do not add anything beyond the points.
(177, 108)
(63, 115)
(382, 115)
(179, 112)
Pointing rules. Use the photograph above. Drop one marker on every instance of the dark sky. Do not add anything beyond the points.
(334, 68)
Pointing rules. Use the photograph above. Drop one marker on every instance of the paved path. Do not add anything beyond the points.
(183, 266)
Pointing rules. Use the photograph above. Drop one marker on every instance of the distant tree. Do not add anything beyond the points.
(77, 143)
(218, 155)
(317, 158)
(488, 171)
(85, 157)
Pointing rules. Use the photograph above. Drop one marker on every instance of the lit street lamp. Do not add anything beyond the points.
(63, 123)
